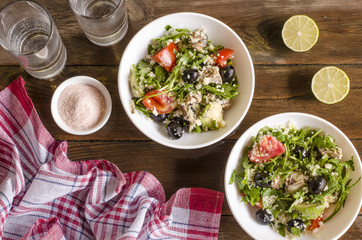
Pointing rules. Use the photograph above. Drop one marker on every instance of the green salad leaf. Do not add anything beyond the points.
(193, 53)
(308, 153)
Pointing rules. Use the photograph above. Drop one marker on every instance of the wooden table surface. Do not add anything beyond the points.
(283, 80)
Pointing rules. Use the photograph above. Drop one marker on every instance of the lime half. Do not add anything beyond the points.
(330, 85)
(300, 33)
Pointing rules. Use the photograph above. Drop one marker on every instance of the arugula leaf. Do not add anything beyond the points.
(245, 160)
(324, 142)
(225, 91)
(197, 129)
(301, 204)
(176, 71)
(281, 230)
(173, 35)
(252, 195)
(216, 49)
(161, 42)
(184, 90)
(160, 74)
(265, 130)
(296, 231)
(349, 164)
(141, 107)
(342, 199)
(168, 27)
(232, 178)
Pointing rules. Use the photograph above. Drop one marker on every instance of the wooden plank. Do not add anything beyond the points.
(229, 229)
(174, 168)
(282, 85)
(278, 89)
(258, 23)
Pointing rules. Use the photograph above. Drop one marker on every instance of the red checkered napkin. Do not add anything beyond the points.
(44, 195)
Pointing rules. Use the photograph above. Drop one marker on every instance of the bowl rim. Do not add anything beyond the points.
(125, 103)
(251, 129)
(85, 80)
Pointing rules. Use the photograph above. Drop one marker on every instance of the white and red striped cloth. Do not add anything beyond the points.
(44, 195)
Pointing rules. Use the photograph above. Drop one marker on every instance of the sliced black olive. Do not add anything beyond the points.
(190, 75)
(302, 150)
(227, 73)
(174, 130)
(263, 217)
(159, 117)
(317, 184)
(297, 223)
(261, 178)
(184, 123)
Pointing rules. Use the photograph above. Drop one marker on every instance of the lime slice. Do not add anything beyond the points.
(330, 85)
(300, 33)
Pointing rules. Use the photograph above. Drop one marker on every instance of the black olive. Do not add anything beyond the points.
(263, 217)
(317, 184)
(297, 223)
(317, 154)
(202, 64)
(227, 74)
(190, 75)
(260, 180)
(174, 130)
(184, 123)
(298, 149)
(159, 117)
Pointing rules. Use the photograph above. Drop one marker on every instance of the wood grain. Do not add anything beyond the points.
(282, 84)
(258, 23)
(229, 229)
(278, 89)
(185, 168)
(174, 168)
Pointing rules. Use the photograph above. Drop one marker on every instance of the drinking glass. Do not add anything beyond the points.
(29, 34)
(104, 22)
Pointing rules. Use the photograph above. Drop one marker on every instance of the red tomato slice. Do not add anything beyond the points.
(166, 57)
(163, 103)
(315, 223)
(223, 55)
(259, 204)
(269, 147)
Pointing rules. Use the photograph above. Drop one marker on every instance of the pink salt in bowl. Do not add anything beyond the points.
(81, 105)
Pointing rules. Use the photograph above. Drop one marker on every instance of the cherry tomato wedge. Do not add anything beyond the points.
(223, 55)
(259, 204)
(166, 57)
(315, 223)
(269, 147)
(162, 103)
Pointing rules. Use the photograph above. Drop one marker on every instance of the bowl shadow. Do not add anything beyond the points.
(270, 30)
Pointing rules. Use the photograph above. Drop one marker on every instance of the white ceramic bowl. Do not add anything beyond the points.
(218, 33)
(245, 214)
(81, 80)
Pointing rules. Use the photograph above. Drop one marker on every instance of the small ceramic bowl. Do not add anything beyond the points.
(80, 80)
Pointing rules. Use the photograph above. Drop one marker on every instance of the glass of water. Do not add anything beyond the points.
(29, 34)
(104, 22)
